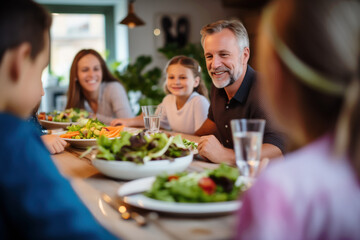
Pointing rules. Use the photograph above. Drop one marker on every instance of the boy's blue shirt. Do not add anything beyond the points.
(36, 201)
(34, 120)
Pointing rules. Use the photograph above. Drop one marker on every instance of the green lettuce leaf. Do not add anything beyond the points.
(178, 141)
(118, 143)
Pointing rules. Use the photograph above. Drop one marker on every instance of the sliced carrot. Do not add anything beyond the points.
(115, 131)
(69, 134)
(119, 128)
(110, 128)
(113, 134)
(109, 134)
(111, 131)
(103, 131)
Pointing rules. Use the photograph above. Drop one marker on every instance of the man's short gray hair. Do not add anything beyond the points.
(233, 25)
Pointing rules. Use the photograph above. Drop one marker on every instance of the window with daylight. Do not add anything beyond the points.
(69, 34)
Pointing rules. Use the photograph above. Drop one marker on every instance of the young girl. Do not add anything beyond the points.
(93, 88)
(186, 106)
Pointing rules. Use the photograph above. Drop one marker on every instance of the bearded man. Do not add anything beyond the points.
(233, 95)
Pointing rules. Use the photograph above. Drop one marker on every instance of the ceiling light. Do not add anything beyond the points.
(131, 20)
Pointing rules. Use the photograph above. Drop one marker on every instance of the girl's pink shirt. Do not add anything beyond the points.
(310, 195)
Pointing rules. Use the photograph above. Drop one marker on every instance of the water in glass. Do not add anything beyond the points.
(247, 146)
(247, 137)
(151, 115)
(152, 123)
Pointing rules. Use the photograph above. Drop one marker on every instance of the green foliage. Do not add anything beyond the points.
(134, 78)
(190, 50)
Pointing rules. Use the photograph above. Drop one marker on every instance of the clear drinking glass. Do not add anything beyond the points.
(152, 114)
(247, 137)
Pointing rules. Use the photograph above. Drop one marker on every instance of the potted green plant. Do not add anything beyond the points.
(138, 82)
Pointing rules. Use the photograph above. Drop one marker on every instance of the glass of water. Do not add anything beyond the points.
(152, 114)
(247, 137)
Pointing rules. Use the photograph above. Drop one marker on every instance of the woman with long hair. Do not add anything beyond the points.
(93, 88)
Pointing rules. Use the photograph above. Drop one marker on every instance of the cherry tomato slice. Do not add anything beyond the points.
(173, 177)
(207, 184)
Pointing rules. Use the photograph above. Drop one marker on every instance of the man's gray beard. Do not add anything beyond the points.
(231, 81)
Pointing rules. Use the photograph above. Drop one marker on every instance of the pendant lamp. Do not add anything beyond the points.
(131, 20)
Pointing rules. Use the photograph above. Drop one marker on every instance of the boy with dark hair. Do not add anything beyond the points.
(36, 201)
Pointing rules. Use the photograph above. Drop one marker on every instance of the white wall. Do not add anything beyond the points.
(200, 12)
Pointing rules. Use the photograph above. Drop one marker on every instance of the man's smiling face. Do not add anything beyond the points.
(223, 58)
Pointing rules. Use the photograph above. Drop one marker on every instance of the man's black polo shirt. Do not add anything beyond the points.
(245, 104)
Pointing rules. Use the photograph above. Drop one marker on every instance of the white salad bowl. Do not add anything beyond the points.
(129, 170)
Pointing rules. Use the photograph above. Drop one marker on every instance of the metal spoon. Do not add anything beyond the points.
(152, 217)
(124, 212)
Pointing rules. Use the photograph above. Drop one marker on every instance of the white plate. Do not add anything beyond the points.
(133, 130)
(81, 143)
(78, 143)
(141, 201)
(130, 170)
(55, 125)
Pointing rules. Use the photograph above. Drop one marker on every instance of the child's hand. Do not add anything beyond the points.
(119, 121)
(54, 143)
(129, 122)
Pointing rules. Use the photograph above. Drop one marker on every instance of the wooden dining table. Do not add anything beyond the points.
(89, 184)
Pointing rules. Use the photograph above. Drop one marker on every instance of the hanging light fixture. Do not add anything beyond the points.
(131, 20)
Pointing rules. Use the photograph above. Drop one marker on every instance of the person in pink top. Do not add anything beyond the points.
(309, 57)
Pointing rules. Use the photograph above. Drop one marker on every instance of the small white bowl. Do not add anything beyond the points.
(79, 143)
(55, 125)
(129, 170)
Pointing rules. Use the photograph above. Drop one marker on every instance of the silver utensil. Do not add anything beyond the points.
(152, 217)
(124, 212)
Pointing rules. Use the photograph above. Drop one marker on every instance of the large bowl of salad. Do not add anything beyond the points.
(62, 119)
(136, 156)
